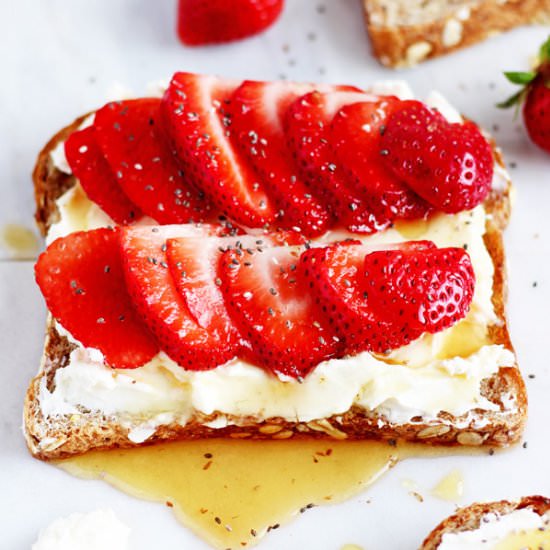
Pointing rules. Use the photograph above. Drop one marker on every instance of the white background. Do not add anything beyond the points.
(59, 59)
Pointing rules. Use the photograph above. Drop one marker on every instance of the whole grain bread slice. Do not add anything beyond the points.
(406, 32)
(471, 517)
(52, 437)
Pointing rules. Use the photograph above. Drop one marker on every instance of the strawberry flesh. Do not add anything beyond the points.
(274, 311)
(193, 110)
(257, 111)
(307, 127)
(163, 309)
(92, 170)
(129, 135)
(450, 165)
(193, 263)
(355, 136)
(214, 21)
(82, 280)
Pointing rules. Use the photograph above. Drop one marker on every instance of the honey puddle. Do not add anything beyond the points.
(20, 241)
(451, 487)
(231, 492)
(526, 540)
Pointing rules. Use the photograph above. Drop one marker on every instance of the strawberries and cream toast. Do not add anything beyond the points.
(273, 260)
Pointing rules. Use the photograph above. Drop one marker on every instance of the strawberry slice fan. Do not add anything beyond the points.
(228, 181)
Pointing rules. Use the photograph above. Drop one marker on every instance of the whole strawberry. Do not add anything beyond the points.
(214, 21)
(535, 96)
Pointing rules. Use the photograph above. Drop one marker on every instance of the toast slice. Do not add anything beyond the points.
(52, 435)
(472, 517)
(404, 33)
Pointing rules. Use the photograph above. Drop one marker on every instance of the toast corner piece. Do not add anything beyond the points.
(470, 517)
(403, 36)
(43, 436)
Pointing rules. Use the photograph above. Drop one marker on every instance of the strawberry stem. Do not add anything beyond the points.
(521, 78)
(544, 52)
(515, 99)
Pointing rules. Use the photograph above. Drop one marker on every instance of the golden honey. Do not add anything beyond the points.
(232, 492)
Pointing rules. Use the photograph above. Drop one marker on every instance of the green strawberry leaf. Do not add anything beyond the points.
(522, 78)
(516, 99)
(544, 53)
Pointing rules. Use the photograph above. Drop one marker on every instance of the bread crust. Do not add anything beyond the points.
(49, 182)
(398, 44)
(67, 435)
(470, 517)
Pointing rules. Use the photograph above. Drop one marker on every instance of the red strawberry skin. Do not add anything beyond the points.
(536, 109)
(159, 303)
(88, 164)
(213, 21)
(428, 290)
(356, 132)
(332, 276)
(450, 165)
(193, 110)
(129, 135)
(275, 313)
(257, 112)
(307, 128)
(82, 280)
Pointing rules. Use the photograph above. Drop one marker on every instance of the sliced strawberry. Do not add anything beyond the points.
(257, 112)
(193, 264)
(429, 289)
(129, 135)
(334, 275)
(307, 127)
(193, 111)
(82, 280)
(274, 311)
(88, 165)
(448, 164)
(162, 308)
(356, 131)
(213, 21)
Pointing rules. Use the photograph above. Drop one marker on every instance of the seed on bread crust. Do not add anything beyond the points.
(433, 431)
(270, 428)
(470, 439)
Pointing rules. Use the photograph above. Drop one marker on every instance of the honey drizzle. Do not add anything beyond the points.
(19, 240)
(450, 488)
(538, 539)
(232, 492)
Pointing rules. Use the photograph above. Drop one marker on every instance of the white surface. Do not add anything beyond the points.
(59, 59)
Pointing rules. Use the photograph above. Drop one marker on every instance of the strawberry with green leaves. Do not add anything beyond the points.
(535, 96)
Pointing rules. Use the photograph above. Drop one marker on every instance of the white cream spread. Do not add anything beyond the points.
(161, 391)
(77, 213)
(441, 372)
(98, 530)
(494, 529)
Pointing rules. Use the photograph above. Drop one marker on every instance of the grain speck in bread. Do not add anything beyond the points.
(50, 437)
(404, 33)
(471, 517)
